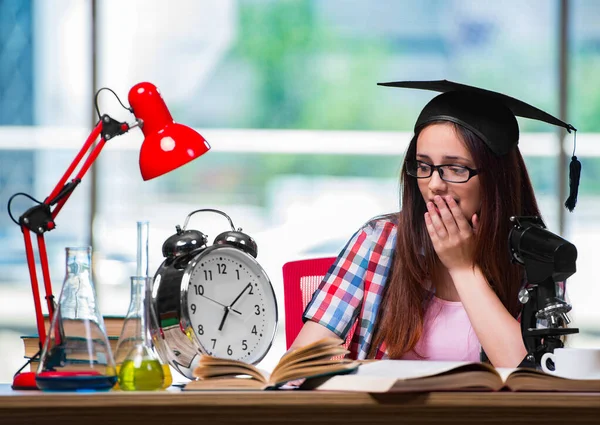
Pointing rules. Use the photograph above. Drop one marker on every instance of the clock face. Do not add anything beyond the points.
(230, 304)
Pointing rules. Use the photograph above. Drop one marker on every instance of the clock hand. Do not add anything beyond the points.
(230, 307)
(222, 305)
(224, 317)
(249, 285)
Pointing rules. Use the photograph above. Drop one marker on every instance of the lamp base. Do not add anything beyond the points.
(24, 381)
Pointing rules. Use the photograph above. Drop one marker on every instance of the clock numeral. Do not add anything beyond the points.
(254, 330)
(257, 312)
(229, 350)
(214, 341)
(193, 308)
(201, 330)
(222, 268)
(244, 344)
(199, 288)
(238, 274)
(207, 274)
(251, 292)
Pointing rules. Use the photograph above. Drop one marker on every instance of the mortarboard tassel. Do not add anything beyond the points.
(574, 175)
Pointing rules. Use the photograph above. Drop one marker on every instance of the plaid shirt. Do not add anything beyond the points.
(352, 290)
(353, 287)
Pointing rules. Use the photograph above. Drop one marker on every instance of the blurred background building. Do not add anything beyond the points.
(306, 147)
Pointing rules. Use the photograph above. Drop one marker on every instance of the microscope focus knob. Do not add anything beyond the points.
(523, 296)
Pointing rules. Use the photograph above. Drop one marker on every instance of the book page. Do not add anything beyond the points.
(505, 372)
(410, 369)
(302, 352)
(224, 384)
(319, 354)
(213, 367)
(416, 375)
(535, 380)
(311, 369)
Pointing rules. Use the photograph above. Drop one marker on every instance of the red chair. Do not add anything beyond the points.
(300, 279)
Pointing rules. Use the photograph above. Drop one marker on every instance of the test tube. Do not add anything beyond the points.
(142, 248)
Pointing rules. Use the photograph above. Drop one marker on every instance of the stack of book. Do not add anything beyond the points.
(113, 325)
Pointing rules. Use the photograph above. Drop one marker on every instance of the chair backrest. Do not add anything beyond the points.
(300, 280)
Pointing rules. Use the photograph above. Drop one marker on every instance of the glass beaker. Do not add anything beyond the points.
(77, 355)
(139, 367)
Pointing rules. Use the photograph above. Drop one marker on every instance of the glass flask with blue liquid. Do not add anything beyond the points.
(76, 355)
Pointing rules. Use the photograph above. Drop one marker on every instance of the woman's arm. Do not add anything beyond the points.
(311, 332)
(453, 240)
(335, 304)
(498, 332)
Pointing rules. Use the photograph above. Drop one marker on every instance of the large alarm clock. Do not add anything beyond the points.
(214, 300)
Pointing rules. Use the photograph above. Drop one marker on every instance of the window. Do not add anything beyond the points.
(286, 93)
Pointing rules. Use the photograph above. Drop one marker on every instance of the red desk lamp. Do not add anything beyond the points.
(167, 146)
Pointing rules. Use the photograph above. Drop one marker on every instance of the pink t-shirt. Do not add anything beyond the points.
(447, 334)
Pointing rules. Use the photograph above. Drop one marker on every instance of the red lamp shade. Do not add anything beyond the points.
(167, 145)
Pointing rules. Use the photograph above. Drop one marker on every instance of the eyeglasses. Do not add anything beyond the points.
(448, 172)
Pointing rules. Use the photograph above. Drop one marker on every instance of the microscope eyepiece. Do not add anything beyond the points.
(531, 242)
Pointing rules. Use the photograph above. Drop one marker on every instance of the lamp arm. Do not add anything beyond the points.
(40, 218)
(86, 146)
(64, 195)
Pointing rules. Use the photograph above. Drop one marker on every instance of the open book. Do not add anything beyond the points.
(310, 361)
(420, 376)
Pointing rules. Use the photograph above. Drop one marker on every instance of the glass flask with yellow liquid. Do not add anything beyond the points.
(135, 326)
(138, 367)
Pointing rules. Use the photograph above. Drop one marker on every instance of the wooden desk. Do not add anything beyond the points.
(294, 407)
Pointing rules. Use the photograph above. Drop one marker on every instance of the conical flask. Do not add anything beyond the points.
(143, 261)
(140, 369)
(76, 354)
(131, 332)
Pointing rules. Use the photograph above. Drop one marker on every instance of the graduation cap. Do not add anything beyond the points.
(488, 114)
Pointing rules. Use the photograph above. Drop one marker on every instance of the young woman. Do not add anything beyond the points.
(435, 281)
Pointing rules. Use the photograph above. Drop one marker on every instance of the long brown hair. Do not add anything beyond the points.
(505, 191)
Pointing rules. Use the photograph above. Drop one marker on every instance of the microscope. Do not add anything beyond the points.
(548, 259)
